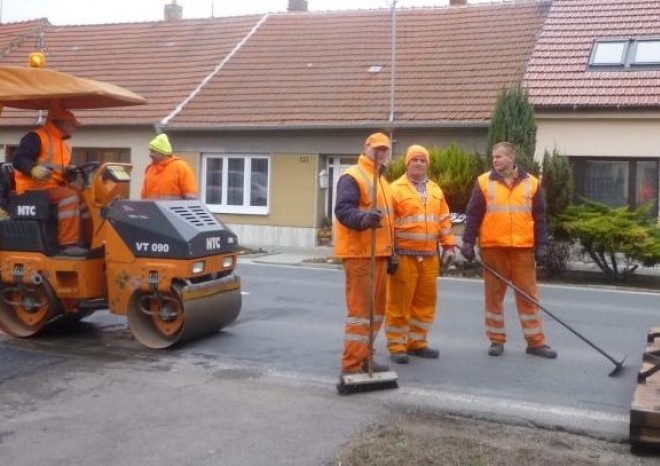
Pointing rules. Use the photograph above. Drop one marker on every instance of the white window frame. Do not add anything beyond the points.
(245, 208)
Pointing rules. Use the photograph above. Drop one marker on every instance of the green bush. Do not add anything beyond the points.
(617, 239)
(452, 168)
(557, 182)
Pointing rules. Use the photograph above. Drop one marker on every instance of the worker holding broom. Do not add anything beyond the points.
(363, 229)
(421, 224)
(507, 211)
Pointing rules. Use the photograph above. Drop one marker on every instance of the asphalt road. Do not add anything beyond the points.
(262, 391)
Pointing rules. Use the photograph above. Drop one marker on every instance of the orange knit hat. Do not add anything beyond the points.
(416, 150)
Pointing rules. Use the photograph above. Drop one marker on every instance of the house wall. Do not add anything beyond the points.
(297, 202)
(588, 134)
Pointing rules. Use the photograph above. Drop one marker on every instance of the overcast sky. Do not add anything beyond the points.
(61, 12)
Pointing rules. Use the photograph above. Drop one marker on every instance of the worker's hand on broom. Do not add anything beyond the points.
(371, 220)
(467, 249)
(41, 173)
(448, 255)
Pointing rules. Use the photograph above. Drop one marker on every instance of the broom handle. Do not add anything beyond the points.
(372, 269)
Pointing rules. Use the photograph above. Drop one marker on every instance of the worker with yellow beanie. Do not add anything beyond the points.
(421, 224)
(167, 177)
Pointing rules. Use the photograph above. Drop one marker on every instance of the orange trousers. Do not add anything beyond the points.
(411, 301)
(358, 302)
(71, 213)
(518, 266)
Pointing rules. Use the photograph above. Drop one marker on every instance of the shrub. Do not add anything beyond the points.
(453, 169)
(617, 239)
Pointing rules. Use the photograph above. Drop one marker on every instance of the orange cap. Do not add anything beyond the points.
(378, 140)
(416, 150)
(63, 115)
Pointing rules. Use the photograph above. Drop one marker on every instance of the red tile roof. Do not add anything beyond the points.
(558, 75)
(303, 69)
(312, 69)
(162, 61)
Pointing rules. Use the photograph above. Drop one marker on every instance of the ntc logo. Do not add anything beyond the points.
(26, 210)
(213, 243)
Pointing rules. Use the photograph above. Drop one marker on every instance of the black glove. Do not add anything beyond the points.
(541, 254)
(467, 249)
(371, 220)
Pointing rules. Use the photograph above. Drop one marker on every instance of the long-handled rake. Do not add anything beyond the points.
(618, 364)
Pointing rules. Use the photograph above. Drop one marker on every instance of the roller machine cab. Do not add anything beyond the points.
(169, 266)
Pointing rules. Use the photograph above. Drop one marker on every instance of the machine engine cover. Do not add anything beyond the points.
(175, 229)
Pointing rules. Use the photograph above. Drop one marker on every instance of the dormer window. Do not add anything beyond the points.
(625, 53)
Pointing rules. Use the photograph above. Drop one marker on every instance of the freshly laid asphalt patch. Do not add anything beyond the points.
(16, 362)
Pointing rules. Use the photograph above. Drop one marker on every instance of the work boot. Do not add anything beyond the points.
(428, 353)
(399, 358)
(73, 250)
(375, 366)
(543, 351)
(496, 349)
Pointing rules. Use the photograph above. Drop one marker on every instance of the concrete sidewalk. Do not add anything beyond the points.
(281, 255)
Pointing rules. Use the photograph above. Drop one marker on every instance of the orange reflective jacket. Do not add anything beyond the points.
(420, 224)
(170, 179)
(508, 221)
(55, 154)
(350, 243)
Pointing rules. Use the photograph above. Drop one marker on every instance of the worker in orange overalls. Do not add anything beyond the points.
(421, 224)
(507, 211)
(42, 160)
(167, 176)
(357, 214)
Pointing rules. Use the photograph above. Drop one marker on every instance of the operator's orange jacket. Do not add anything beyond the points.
(419, 225)
(55, 154)
(351, 243)
(170, 179)
(508, 221)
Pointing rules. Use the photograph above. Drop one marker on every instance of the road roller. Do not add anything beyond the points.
(167, 265)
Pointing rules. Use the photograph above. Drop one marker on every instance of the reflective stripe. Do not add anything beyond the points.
(531, 331)
(357, 321)
(68, 214)
(529, 317)
(67, 201)
(421, 218)
(359, 338)
(417, 337)
(493, 207)
(498, 330)
(420, 324)
(401, 341)
(491, 316)
(85, 215)
(415, 236)
(392, 329)
(367, 180)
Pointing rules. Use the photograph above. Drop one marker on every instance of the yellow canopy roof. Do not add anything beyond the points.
(43, 88)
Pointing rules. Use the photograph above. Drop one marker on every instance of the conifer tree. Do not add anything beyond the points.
(513, 120)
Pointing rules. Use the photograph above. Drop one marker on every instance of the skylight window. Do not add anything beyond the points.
(625, 53)
(647, 52)
(609, 53)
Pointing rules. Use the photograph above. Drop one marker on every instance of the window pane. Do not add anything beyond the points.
(609, 53)
(259, 183)
(235, 182)
(646, 180)
(606, 182)
(648, 51)
(214, 180)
